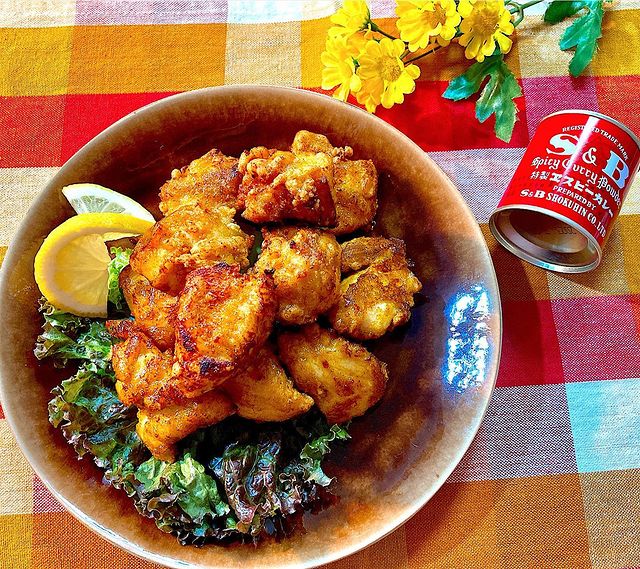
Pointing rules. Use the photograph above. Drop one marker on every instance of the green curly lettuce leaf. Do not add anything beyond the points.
(582, 34)
(182, 498)
(118, 262)
(313, 453)
(66, 337)
(278, 472)
(496, 97)
(87, 410)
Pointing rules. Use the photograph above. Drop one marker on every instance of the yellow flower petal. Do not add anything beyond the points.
(484, 23)
(504, 42)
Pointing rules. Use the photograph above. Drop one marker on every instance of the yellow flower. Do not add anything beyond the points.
(339, 65)
(385, 79)
(484, 23)
(420, 21)
(351, 18)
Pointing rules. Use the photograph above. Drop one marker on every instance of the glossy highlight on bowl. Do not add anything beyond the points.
(442, 365)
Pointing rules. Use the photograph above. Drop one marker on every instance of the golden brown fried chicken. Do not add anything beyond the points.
(278, 185)
(144, 374)
(374, 301)
(209, 181)
(305, 264)
(379, 298)
(187, 239)
(364, 251)
(263, 392)
(161, 430)
(355, 182)
(223, 319)
(355, 192)
(153, 310)
(305, 141)
(343, 378)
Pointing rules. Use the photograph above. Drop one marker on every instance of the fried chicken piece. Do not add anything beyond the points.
(343, 378)
(209, 181)
(223, 319)
(263, 392)
(144, 373)
(305, 141)
(374, 301)
(189, 238)
(364, 251)
(161, 430)
(278, 185)
(355, 191)
(305, 264)
(355, 182)
(378, 298)
(153, 310)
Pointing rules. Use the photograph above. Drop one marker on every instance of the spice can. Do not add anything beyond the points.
(567, 191)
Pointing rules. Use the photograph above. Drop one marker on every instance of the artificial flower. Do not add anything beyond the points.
(339, 60)
(353, 17)
(484, 23)
(423, 21)
(385, 78)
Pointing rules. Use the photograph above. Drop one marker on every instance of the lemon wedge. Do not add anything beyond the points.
(92, 198)
(71, 267)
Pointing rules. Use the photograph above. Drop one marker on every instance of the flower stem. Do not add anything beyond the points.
(529, 4)
(517, 8)
(376, 28)
(428, 52)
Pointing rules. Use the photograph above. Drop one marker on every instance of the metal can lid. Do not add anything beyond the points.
(545, 238)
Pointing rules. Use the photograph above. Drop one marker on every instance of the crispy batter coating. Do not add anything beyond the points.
(343, 378)
(379, 298)
(355, 191)
(278, 185)
(161, 430)
(305, 264)
(223, 319)
(209, 181)
(185, 240)
(364, 251)
(153, 310)
(374, 301)
(305, 141)
(144, 374)
(263, 392)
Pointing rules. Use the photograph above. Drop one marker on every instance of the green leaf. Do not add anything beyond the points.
(92, 418)
(558, 10)
(497, 95)
(313, 453)
(67, 337)
(196, 492)
(119, 261)
(582, 34)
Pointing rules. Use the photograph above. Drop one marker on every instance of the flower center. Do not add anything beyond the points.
(487, 18)
(438, 16)
(390, 70)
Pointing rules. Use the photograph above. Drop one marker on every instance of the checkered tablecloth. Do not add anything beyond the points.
(553, 478)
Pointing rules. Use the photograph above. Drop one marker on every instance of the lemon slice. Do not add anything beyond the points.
(92, 198)
(71, 267)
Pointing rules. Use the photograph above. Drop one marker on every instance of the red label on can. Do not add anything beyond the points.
(579, 166)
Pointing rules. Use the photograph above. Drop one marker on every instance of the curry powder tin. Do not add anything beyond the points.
(567, 191)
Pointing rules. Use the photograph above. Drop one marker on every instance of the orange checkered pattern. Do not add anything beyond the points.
(553, 478)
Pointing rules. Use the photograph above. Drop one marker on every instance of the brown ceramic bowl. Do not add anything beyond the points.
(442, 365)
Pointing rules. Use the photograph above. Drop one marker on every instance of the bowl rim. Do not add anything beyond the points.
(337, 554)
